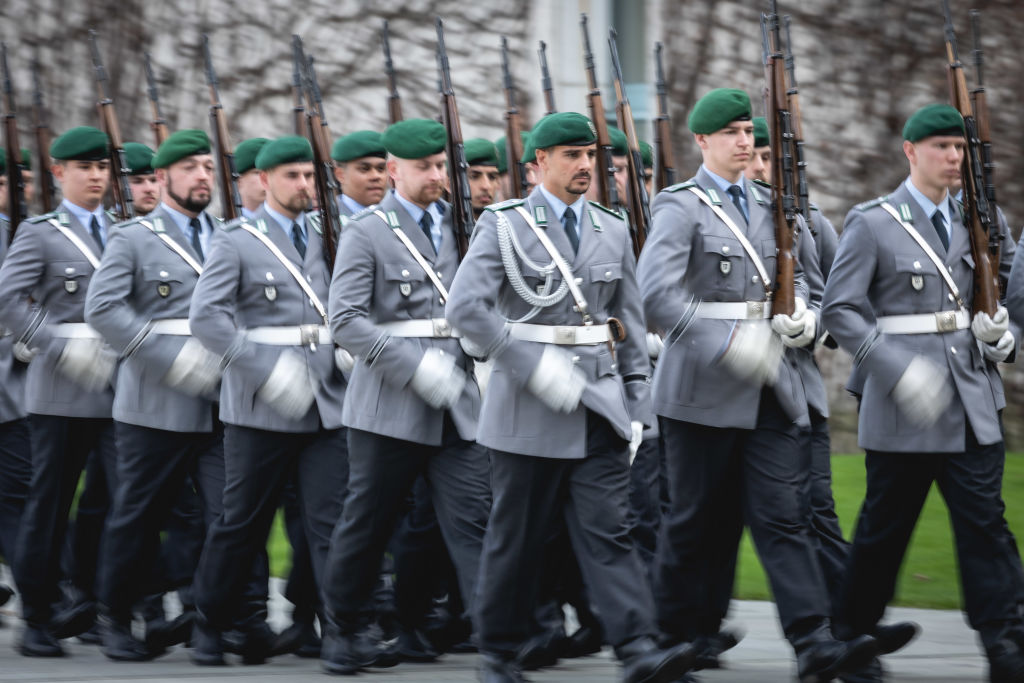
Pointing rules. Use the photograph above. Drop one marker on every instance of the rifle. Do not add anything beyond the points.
(120, 186)
(158, 124)
(47, 190)
(231, 201)
(545, 80)
(638, 201)
(664, 161)
(980, 219)
(980, 104)
(17, 208)
(793, 101)
(298, 92)
(462, 207)
(318, 134)
(394, 99)
(513, 124)
(605, 175)
(783, 204)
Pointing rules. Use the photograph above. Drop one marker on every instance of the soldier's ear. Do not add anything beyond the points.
(911, 151)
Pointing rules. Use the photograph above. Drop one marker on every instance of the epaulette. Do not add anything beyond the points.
(314, 220)
(507, 204)
(43, 217)
(364, 213)
(607, 210)
(678, 186)
(871, 203)
(218, 219)
(762, 183)
(235, 223)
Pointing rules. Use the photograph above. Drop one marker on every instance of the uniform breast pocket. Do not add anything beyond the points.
(723, 264)
(70, 276)
(918, 273)
(268, 285)
(164, 280)
(405, 283)
(605, 278)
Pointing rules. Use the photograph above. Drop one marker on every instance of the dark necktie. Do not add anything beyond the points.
(94, 228)
(426, 221)
(569, 223)
(197, 229)
(736, 193)
(297, 240)
(940, 227)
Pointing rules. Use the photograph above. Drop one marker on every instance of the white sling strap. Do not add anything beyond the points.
(75, 240)
(916, 236)
(187, 257)
(563, 267)
(286, 262)
(744, 242)
(415, 254)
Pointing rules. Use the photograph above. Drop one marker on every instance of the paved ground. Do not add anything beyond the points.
(947, 652)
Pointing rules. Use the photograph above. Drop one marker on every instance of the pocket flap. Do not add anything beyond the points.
(400, 272)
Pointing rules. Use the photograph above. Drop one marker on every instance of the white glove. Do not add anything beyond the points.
(753, 353)
(557, 381)
(637, 436)
(24, 352)
(88, 363)
(990, 329)
(796, 330)
(922, 392)
(1001, 350)
(288, 389)
(195, 371)
(655, 344)
(343, 360)
(438, 380)
(470, 349)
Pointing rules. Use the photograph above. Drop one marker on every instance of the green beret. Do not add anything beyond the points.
(245, 154)
(620, 146)
(414, 138)
(502, 148)
(139, 158)
(26, 160)
(762, 138)
(563, 128)
(287, 150)
(933, 119)
(646, 154)
(717, 109)
(84, 143)
(181, 144)
(362, 143)
(481, 152)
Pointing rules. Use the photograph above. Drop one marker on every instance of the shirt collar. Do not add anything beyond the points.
(927, 205)
(183, 221)
(285, 222)
(84, 216)
(353, 206)
(559, 207)
(722, 183)
(416, 211)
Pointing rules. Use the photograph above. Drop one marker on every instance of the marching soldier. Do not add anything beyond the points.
(144, 187)
(360, 170)
(250, 189)
(899, 298)
(730, 409)
(567, 395)
(165, 422)
(43, 282)
(259, 306)
(482, 158)
(416, 410)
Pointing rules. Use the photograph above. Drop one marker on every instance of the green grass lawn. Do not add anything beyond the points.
(929, 575)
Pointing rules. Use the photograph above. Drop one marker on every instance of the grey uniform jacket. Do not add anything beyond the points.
(691, 256)
(880, 270)
(43, 282)
(12, 371)
(243, 286)
(377, 280)
(142, 279)
(511, 418)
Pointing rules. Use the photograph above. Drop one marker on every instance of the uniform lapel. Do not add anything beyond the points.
(449, 247)
(959, 239)
(172, 230)
(553, 227)
(314, 241)
(590, 233)
(760, 216)
(83, 232)
(710, 187)
(921, 222)
(413, 230)
(277, 235)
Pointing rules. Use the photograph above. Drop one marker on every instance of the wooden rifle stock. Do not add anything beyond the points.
(47, 189)
(604, 171)
(17, 208)
(462, 207)
(119, 169)
(513, 125)
(664, 159)
(394, 99)
(639, 218)
(231, 201)
(158, 124)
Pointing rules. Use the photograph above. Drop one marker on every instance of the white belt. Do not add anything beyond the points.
(735, 310)
(569, 335)
(290, 335)
(432, 327)
(174, 326)
(924, 323)
(75, 331)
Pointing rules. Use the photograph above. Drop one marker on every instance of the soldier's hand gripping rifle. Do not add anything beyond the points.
(637, 200)
(793, 101)
(513, 126)
(545, 80)
(47, 189)
(783, 204)
(604, 171)
(394, 99)
(462, 207)
(231, 200)
(978, 211)
(159, 123)
(119, 169)
(17, 208)
(664, 159)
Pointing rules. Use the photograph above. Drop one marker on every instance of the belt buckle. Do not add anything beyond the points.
(755, 310)
(945, 321)
(309, 334)
(565, 334)
(442, 328)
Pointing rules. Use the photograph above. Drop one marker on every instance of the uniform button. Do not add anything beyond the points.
(579, 280)
(607, 273)
(575, 359)
(725, 248)
(270, 276)
(952, 350)
(950, 296)
(754, 279)
(69, 271)
(439, 275)
(575, 309)
(614, 366)
(917, 265)
(405, 273)
(163, 273)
